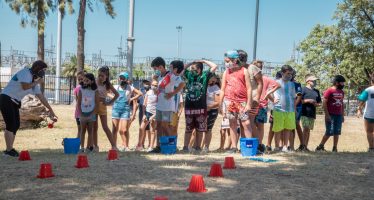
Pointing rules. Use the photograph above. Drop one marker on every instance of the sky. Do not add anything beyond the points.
(210, 27)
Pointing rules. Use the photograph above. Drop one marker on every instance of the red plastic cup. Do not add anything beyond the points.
(197, 184)
(50, 125)
(45, 170)
(216, 170)
(161, 198)
(112, 154)
(82, 162)
(24, 155)
(229, 163)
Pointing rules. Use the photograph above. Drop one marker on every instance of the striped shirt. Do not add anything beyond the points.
(286, 95)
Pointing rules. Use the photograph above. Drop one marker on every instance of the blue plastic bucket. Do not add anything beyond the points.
(168, 144)
(71, 145)
(248, 146)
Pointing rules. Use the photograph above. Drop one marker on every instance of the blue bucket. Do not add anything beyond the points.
(71, 145)
(168, 144)
(248, 146)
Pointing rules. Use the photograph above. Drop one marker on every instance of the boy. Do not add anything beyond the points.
(168, 86)
(311, 98)
(284, 109)
(334, 112)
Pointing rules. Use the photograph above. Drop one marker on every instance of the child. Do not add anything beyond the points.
(298, 110)
(88, 100)
(236, 93)
(103, 86)
(149, 114)
(367, 98)
(311, 98)
(121, 110)
(334, 112)
(80, 76)
(284, 120)
(146, 86)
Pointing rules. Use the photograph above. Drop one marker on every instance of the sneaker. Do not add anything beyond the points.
(301, 148)
(121, 149)
(96, 149)
(149, 149)
(139, 148)
(320, 148)
(82, 150)
(232, 151)
(286, 150)
(205, 150)
(127, 149)
(268, 148)
(156, 150)
(261, 148)
(334, 149)
(12, 153)
(277, 149)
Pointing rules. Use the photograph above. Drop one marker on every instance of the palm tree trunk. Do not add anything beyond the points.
(81, 32)
(41, 25)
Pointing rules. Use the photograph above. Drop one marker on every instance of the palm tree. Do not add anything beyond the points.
(34, 12)
(70, 68)
(80, 26)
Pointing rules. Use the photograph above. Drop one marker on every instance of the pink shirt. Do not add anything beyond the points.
(268, 84)
(76, 92)
(236, 89)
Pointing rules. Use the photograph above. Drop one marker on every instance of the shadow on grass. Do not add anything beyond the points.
(143, 176)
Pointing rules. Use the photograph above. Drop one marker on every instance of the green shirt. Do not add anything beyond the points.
(196, 86)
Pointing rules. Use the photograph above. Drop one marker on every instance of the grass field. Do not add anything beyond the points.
(138, 175)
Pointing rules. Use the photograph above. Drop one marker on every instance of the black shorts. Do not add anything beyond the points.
(10, 111)
(212, 116)
(141, 117)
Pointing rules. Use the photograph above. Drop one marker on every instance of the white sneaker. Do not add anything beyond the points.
(205, 150)
(149, 149)
(127, 149)
(82, 150)
(121, 149)
(285, 150)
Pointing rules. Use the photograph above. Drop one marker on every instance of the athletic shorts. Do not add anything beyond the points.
(370, 120)
(307, 122)
(334, 127)
(163, 116)
(148, 115)
(123, 113)
(235, 110)
(283, 120)
(212, 116)
(174, 119)
(10, 110)
(262, 116)
(196, 119)
(298, 113)
(101, 109)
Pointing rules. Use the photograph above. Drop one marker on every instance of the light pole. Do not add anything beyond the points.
(179, 41)
(256, 28)
(130, 38)
(58, 56)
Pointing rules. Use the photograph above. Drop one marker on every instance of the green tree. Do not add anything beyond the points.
(34, 12)
(80, 26)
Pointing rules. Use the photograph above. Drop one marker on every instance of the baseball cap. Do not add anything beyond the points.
(233, 54)
(124, 75)
(311, 78)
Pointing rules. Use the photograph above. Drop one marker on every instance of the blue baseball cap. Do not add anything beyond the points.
(233, 54)
(124, 74)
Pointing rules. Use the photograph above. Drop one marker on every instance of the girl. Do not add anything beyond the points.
(121, 110)
(149, 114)
(103, 86)
(367, 98)
(80, 76)
(213, 91)
(88, 100)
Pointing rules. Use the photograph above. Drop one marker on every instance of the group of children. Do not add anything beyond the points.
(243, 96)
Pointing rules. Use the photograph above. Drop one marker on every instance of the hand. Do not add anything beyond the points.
(39, 81)
(132, 118)
(52, 116)
(168, 95)
(145, 119)
(327, 118)
(255, 103)
(247, 108)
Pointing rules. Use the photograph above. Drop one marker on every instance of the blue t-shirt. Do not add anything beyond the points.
(367, 96)
(299, 92)
(286, 95)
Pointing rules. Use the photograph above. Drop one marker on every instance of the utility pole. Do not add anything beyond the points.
(256, 28)
(0, 68)
(130, 38)
(58, 57)
(179, 41)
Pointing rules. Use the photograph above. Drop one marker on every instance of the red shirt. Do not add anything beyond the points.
(267, 84)
(236, 90)
(335, 99)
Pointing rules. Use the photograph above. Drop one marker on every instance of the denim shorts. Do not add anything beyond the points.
(334, 127)
(262, 116)
(121, 114)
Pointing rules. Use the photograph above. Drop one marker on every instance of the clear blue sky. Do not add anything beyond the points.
(210, 27)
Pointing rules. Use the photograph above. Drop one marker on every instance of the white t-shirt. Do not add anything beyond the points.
(14, 87)
(368, 96)
(167, 84)
(151, 101)
(212, 91)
